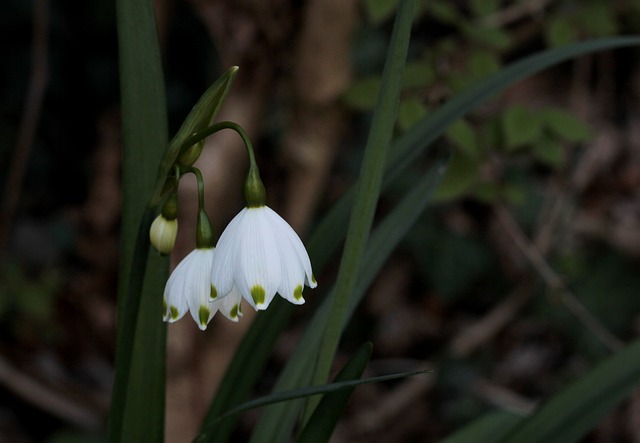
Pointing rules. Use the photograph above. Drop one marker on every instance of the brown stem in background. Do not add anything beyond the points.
(30, 118)
(554, 282)
(320, 74)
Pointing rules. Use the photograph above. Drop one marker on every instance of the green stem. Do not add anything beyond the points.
(254, 192)
(368, 190)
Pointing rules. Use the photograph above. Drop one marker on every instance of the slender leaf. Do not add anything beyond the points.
(569, 415)
(367, 188)
(324, 419)
(145, 137)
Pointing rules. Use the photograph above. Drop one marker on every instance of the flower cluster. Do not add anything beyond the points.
(257, 256)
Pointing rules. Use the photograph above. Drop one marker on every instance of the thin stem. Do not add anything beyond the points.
(201, 135)
(199, 180)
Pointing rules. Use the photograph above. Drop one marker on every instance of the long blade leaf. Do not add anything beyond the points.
(140, 355)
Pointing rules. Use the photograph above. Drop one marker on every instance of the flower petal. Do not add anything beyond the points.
(230, 305)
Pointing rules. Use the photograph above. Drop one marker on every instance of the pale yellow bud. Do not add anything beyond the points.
(163, 234)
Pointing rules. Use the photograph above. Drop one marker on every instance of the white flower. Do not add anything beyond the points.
(163, 234)
(229, 305)
(261, 254)
(189, 288)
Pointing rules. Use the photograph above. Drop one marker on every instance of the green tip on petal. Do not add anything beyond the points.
(203, 315)
(258, 295)
(213, 294)
(164, 306)
(174, 313)
(313, 279)
(297, 292)
(235, 311)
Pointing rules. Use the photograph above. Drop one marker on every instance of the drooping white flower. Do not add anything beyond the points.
(229, 305)
(189, 288)
(261, 254)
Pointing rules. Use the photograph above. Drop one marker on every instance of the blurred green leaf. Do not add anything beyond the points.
(549, 152)
(463, 172)
(565, 124)
(410, 111)
(363, 93)
(463, 136)
(560, 31)
(598, 18)
(521, 127)
(443, 11)
(380, 10)
(483, 63)
(418, 74)
(484, 7)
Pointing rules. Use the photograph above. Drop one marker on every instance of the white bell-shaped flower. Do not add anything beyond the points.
(189, 289)
(260, 254)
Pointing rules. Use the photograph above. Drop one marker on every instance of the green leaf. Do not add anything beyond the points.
(570, 414)
(598, 19)
(462, 174)
(443, 11)
(418, 74)
(363, 93)
(463, 136)
(565, 124)
(380, 10)
(324, 419)
(549, 152)
(521, 127)
(481, 8)
(482, 64)
(486, 429)
(411, 110)
(560, 31)
(141, 333)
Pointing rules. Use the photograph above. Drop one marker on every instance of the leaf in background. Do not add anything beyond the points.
(380, 10)
(410, 111)
(598, 19)
(565, 124)
(363, 93)
(484, 7)
(443, 11)
(483, 63)
(570, 414)
(462, 174)
(549, 151)
(463, 136)
(560, 31)
(418, 74)
(520, 127)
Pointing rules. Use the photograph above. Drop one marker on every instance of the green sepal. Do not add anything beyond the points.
(254, 192)
(200, 117)
(170, 207)
(204, 231)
